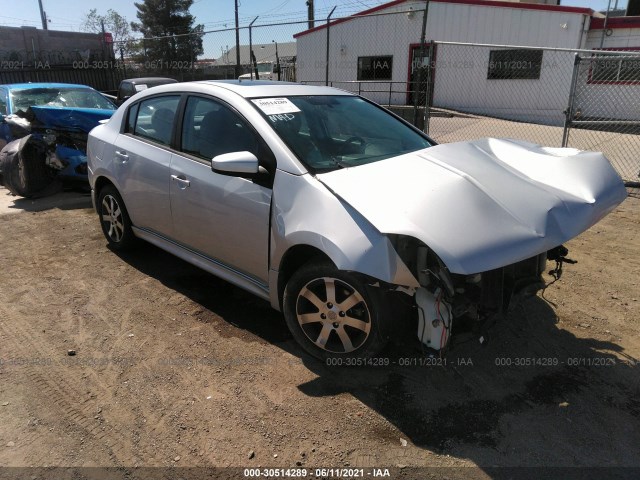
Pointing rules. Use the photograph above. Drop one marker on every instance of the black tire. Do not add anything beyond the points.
(24, 169)
(318, 323)
(114, 219)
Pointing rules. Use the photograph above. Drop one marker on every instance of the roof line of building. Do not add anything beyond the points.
(484, 3)
(615, 22)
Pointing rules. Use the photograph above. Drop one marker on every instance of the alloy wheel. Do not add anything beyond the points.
(112, 218)
(333, 315)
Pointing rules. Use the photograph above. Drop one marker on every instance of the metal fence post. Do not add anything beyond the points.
(326, 71)
(427, 100)
(251, 55)
(416, 93)
(568, 113)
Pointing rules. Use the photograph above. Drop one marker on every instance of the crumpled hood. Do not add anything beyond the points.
(66, 118)
(483, 204)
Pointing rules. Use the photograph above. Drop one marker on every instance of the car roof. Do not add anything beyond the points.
(136, 81)
(43, 85)
(253, 88)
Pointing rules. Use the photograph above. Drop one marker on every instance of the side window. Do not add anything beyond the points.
(131, 118)
(154, 118)
(210, 128)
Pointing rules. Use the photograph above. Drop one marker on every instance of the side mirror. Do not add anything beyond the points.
(235, 163)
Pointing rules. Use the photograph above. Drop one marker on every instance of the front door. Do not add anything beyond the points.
(226, 218)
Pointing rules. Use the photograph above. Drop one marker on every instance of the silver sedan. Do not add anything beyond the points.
(344, 217)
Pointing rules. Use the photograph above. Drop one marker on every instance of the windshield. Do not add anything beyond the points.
(264, 68)
(59, 97)
(329, 132)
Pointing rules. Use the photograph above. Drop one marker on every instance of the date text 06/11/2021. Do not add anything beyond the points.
(401, 362)
(345, 473)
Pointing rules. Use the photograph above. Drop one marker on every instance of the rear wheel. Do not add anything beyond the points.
(114, 219)
(332, 313)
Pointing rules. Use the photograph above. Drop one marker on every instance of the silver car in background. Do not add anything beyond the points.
(338, 212)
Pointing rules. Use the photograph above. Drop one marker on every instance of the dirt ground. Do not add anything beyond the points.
(175, 368)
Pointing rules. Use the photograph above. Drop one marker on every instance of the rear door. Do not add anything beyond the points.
(142, 162)
(224, 217)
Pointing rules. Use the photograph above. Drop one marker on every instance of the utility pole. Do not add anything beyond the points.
(310, 13)
(237, 43)
(43, 16)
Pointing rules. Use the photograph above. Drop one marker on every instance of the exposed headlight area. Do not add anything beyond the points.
(443, 298)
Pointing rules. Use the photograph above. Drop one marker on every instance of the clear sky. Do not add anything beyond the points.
(214, 14)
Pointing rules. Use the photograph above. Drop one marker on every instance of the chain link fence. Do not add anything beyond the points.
(454, 91)
(589, 100)
(266, 51)
(604, 109)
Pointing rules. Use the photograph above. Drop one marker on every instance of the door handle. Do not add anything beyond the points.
(182, 180)
(122, 155)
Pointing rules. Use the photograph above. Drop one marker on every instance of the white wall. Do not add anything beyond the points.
(455, 87)
(369, 36)
(461, 84)
(619, 38)
(503, 25)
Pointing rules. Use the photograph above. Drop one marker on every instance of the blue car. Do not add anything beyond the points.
(58, 118)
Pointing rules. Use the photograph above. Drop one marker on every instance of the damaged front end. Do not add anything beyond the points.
(35, 165)
(476, 221)
(50, 149)
(444, 297)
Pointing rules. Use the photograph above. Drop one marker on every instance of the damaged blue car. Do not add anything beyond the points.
(43, 134)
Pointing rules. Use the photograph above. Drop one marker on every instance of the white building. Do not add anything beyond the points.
(379, 50)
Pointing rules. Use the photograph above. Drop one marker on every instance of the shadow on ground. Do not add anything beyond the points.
(67, 200)
(534, 395)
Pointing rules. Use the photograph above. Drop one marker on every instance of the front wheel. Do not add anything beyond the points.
(114, 219)
(332, 314)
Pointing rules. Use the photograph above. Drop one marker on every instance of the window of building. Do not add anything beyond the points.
(615, 70)
(516, 64)
(155, 117)
(375, 68)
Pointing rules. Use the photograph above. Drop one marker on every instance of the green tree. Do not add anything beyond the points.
(169, 31)
(115, 24)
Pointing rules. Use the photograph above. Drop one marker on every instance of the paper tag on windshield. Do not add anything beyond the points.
(140, 87)
(273, 106)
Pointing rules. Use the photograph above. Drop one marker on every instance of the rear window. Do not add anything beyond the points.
(74, 97)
